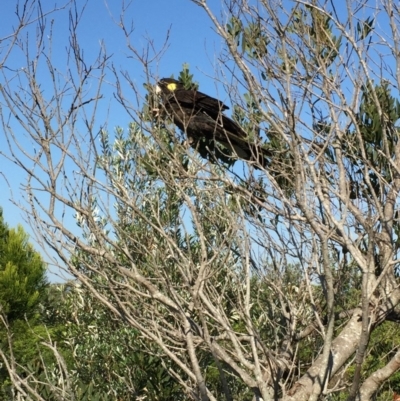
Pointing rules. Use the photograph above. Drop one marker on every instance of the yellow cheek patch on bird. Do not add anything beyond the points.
(171, 87)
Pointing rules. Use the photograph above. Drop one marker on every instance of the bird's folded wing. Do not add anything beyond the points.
(199, 100)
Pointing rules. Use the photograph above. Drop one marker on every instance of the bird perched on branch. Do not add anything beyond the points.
(201, 116)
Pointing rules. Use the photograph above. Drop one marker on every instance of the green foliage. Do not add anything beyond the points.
(376, 123)
(22, 273)
(235, 28)
(382, 346)
(23, 288)
(379, 113)
(187, 79)
(110, 360)
(326, 44)
(32, 356)
(323, 45)
(364, 28)
(253, 40)
(251, 118)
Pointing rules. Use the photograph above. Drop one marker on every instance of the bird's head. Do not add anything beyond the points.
(168, 85)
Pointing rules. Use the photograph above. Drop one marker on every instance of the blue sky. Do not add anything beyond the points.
(191, 40)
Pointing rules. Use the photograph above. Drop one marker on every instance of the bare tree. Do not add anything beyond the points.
(275, 275)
